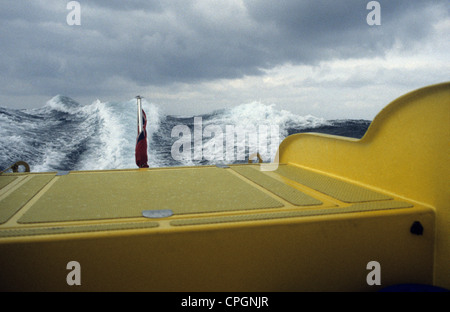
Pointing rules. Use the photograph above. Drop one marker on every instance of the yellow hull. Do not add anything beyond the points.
(331, 208)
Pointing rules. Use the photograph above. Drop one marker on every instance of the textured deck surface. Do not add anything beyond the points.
(199, 195)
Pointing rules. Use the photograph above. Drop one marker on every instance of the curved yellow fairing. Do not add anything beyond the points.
(404, 152)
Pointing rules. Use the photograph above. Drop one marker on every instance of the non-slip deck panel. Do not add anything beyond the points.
(124, 194)
(284, 191)
(12, 203)
(77, 229)
(338, 189)
(5, 180)
(360, 207)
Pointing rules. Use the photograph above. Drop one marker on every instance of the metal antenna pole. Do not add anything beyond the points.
(139, 114)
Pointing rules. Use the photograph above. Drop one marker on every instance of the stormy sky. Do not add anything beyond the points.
(318, 57)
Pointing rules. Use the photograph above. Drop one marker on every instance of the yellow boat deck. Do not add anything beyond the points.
(48, 203)
(71, 207)
(332, 206)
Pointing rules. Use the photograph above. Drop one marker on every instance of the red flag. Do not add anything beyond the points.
(141, 145)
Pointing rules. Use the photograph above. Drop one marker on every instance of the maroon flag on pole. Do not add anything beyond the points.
(141, 145)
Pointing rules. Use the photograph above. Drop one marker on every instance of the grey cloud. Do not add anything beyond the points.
(311, 31)
(120, 5)
(158, 43)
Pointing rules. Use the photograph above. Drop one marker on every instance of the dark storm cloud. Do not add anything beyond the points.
(120, 5)
(157, 43)
(310, 31)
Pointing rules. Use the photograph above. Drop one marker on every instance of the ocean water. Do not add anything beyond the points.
(65, 135)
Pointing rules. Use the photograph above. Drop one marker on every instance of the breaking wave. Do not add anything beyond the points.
(65, 135)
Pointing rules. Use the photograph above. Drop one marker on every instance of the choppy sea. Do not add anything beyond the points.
(65, 135)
